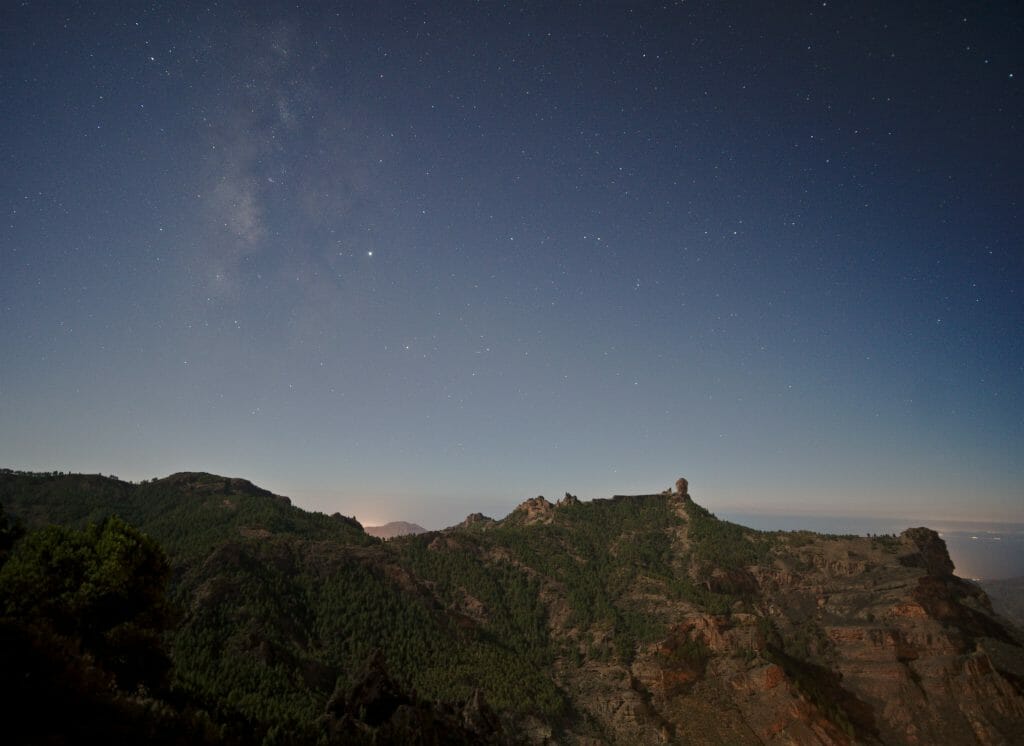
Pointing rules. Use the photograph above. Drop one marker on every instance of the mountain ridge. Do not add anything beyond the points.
(634, 619)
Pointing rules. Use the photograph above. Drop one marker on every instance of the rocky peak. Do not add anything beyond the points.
(567, 500)
(932, 553)
(682, 487)
(536, 510)
(476, 520)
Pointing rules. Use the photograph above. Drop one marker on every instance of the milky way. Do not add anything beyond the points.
(413, 260)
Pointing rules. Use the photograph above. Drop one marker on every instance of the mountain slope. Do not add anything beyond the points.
(639, 619)
(188, 512)
(1007, 598)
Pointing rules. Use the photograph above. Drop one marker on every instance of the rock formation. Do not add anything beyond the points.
(535, 510)
(567, 501)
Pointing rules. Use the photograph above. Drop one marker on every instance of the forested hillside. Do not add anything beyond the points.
(209, 609)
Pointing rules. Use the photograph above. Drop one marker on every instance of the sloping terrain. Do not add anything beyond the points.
(638, 619)
(1007, 598)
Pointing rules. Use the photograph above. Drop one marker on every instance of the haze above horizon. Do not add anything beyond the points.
(413, 260)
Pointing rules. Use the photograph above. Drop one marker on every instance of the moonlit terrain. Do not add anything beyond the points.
(980, 550)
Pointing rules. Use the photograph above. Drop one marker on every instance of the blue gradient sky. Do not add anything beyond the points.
(413, 260)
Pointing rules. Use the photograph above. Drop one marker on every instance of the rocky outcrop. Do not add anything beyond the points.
(567, 501)
(932, 554)
(886, 649)
(535, 510)
(476, 520)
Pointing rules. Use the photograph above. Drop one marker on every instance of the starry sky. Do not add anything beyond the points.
(411, 260)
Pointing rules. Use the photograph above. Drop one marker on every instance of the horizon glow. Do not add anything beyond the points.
(413, 262)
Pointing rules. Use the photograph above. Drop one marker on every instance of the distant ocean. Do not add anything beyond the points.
(983, 551)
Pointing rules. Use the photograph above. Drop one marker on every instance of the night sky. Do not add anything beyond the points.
(414, 260)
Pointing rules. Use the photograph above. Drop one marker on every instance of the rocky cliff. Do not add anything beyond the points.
(819, 640)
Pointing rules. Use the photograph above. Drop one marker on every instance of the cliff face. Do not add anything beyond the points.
(822, 640)
(845, 640)
(916, 648)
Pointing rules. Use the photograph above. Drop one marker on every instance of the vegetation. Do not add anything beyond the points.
(723, 544)
(82, 617)
(102, 588)
(599, 552)
(276, 608)
(201, 609)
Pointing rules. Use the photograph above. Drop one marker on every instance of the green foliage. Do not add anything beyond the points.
(691, 653)
(277, 605)
(886, 542)
(797, 539)
(10, 532)
(82, 614)
(276, 609)
(66, 499)
(598, 552)
(102, 587)
(723, 544)
(190, 514)
(504, 649)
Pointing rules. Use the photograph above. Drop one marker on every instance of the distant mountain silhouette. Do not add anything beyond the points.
(393, 529)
